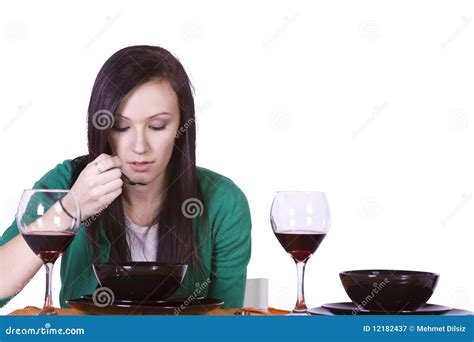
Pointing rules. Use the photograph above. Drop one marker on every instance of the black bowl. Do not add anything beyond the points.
(389, 290)
(140, 280)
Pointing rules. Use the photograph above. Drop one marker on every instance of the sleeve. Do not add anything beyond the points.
(57, 178)
(232, 248)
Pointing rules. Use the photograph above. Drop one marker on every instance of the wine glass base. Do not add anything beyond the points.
(298, 313)
(47, 312)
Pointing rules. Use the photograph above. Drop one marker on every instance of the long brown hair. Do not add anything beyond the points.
(122, 72)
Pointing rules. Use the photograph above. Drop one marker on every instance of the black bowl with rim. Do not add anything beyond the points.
(389, 290)
(140, 280)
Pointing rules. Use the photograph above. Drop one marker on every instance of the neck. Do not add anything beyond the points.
(142, 202)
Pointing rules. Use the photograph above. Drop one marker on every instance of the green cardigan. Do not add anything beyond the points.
(224, 248)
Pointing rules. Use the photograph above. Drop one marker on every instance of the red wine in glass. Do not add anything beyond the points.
(48, 220)
(48, 245)
(300, 244)
(300, 221)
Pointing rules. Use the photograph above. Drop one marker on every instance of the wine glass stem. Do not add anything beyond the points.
(300, 306)
(48, 308)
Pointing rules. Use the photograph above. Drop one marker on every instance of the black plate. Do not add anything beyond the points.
(351, 309)
(324, 312)
(172, 306)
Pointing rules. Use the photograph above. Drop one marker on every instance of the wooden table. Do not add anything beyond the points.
(32, 311)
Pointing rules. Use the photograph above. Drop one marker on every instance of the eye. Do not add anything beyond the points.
(158, 128)
(118, 129)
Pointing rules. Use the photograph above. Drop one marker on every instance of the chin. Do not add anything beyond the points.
(147, 178)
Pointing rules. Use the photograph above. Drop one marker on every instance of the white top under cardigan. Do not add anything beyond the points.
(142, 241)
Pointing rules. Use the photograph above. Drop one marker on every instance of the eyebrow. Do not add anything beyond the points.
(150, 117)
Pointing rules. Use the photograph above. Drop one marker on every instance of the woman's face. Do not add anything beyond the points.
(145, 127)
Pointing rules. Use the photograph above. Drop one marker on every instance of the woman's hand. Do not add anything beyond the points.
(97, 186)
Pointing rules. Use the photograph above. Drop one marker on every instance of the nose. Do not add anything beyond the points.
(140, 144)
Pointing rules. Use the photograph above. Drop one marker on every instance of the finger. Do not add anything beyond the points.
(117, 161)
(109, 198)
(107, 176)
(109, 163)
(101, 157)
(95, 164)
(109, 187)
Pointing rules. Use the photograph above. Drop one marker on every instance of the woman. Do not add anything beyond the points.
(141, 196)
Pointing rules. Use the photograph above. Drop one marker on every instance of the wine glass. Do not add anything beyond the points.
(300, 221)
(48, 221)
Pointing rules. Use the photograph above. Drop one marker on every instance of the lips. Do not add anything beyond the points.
(140, 166)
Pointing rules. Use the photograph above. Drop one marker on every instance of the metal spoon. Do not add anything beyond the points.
(129, 182)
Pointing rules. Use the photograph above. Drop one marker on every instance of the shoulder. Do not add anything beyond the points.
(226, 204)
(216, 187)
(58, 177)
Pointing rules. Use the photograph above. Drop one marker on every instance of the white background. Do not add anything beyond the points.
(370, 101)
